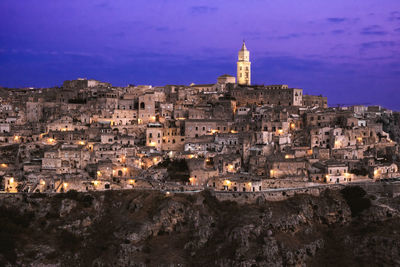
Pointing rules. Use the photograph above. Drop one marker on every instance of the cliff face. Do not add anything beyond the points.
(125, 228)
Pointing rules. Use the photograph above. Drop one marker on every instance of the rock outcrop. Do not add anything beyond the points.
(149, 228)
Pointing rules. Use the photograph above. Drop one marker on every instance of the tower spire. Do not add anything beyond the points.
(244, 46)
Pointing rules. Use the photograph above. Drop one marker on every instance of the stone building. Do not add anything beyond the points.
(244, 66)
(147, 108)
(315, 101)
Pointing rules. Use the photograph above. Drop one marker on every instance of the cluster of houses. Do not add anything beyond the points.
(90, 135)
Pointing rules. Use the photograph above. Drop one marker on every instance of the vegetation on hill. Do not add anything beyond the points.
(130, 228)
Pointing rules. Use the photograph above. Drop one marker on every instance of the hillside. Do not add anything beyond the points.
(125, 228)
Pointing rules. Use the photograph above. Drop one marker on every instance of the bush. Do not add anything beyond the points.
(68, 241)
(72, 194)
(355, 198)
(177, 169)
(87, 200)
(13, 225)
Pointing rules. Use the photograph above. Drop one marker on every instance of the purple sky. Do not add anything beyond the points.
(348, 50)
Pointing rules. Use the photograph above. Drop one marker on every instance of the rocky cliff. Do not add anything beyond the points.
(147, 228)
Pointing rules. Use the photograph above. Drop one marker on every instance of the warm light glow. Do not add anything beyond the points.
(131, 181)
(337, 143)
(234, 132)
(65, 184)
(249, 184)
(376, 172)
(271, 172)
(192, 180)
(181, 118)
(50, 140)
(125, 169)
(280, 131)
(98, 173)
(4, 165)
(42, 182)
(292, 126)
(152, 144)
(191, 156)
(139, 121)
(347, 175)
(230, 167)
(359, 139)
(227, 182)
(11, 180)
(63, 130)
(82, 143)
(16, 138)
(214, 131)
(286, 156)
(96, 182)
(153, 118)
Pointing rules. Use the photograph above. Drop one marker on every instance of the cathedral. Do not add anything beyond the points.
(243, 66)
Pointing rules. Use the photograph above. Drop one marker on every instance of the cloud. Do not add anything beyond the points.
(289, 36)
(378, 44)
(168, 29)
(336, 20)
(297, 35)
(202, 9)
(337, 31)
(373, 30)
(103, 5)
(119, 34)
(162, 29)
(394, 16)
(251, 35)
(339, 20)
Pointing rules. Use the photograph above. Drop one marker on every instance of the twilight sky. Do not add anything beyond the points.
(348, 50)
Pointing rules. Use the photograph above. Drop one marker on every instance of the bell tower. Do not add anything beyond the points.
(243, 66)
